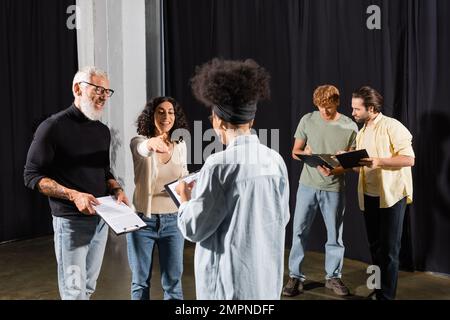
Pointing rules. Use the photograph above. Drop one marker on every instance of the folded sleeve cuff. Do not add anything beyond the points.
(143, 150)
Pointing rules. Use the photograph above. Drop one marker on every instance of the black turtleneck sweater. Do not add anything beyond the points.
(72, 150)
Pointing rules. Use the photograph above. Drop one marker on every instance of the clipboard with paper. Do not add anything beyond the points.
(170, 187)
(119, 217)
(315, 160)
(351, 159)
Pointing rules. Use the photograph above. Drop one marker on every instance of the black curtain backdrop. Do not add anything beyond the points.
(307, 43)
(38, 59)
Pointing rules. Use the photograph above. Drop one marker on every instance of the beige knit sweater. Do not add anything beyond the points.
(146, 171)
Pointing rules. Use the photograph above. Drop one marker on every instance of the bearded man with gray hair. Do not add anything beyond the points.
(68, 161)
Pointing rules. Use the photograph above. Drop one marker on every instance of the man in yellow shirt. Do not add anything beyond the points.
(385, 183)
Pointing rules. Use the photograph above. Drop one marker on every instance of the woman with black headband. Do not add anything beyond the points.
(238, 208)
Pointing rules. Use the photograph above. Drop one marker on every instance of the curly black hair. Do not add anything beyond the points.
(146, 120)
(230, 82)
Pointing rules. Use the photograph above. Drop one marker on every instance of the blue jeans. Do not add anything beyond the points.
(384, 231)
(332, 206)
(79, 248)
(162, 230)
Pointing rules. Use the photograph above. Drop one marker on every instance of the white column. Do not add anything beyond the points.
(134, 75)
(112, 37)
(85, 35)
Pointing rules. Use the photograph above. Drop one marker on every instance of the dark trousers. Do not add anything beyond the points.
(384, 230)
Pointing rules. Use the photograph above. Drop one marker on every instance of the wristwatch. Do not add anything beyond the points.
(114, 190)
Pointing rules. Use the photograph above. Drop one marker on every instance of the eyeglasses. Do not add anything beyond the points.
(100, 90)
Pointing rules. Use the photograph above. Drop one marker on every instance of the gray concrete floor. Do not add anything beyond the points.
(28, 271)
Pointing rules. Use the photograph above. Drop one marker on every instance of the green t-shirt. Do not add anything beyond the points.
(325, 137)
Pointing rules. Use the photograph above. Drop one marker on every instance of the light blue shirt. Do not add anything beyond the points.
(237, 215)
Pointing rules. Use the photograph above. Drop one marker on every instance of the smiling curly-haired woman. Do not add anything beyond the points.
(157, 160)
(239, 207)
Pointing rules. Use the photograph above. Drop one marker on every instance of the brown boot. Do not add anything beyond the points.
(293, 287)
(337, 286)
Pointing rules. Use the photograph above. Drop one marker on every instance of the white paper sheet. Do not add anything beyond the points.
(172, 186)
(119, 217)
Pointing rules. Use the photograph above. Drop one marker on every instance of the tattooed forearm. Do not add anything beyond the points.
(53, 189)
